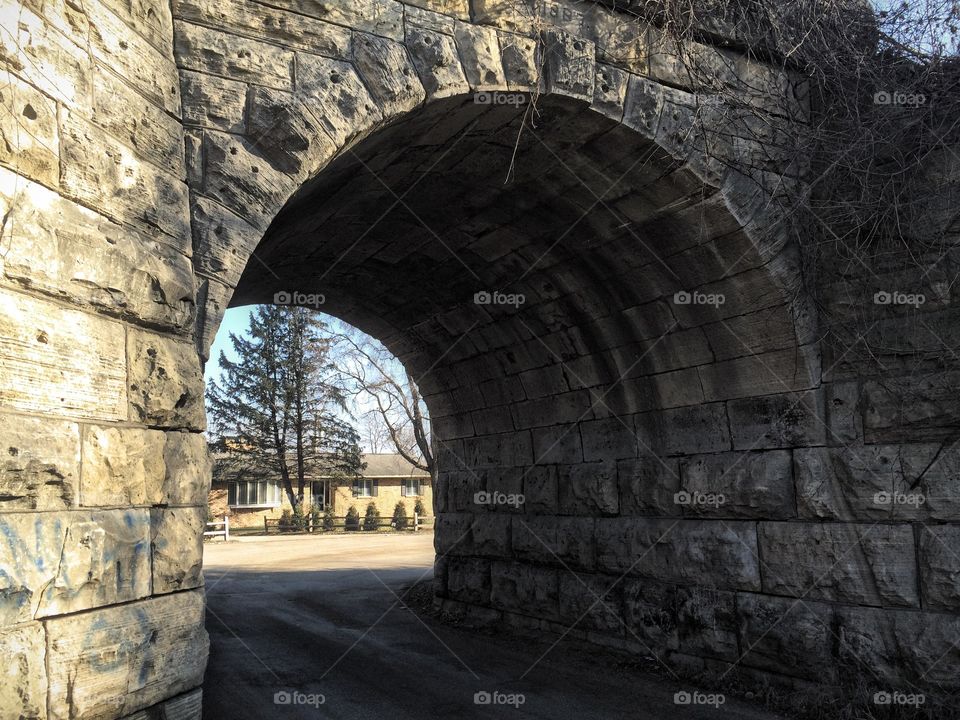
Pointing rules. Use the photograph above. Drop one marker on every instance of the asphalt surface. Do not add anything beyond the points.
(312, 627)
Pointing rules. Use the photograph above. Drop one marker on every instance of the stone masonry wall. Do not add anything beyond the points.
(159, 165)
(104, 472)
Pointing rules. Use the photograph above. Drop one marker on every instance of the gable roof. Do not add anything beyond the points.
(390, 465)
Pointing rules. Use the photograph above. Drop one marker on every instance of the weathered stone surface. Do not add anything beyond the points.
(911, 408)
(480, 53)
(67, 561)
(707, 623)
(261, 21)
(692, 430)
(650, 613)
(28, 132)
(165, 382)
(558, 444)
(437, 63)
(940, 567)
(865, 564)
(152, 133)
(566, 541)
(775, 372)
(468, 580)
(589, 489)
(102, 173)
(711, 553)
(213, 102)
(147, 69)
(901, 647)
(23, 685)
(222, 240)
(519, 56)
(389, 73)
(230, 179)
(121, 466)
(609, 91)
(456, 8)
(380, 17)
(525, 589)
(490, 536)
(46, 354)
(219, 53)
(187, 464)
(786, 420)
(648, 485)
(569, 65)
(844, 419)
(64, 250)
(46, 59)
(752, 484)
(176, 537)
(591, 602)
(119, 660)
(283, 132)
(40, 469)
(787, 636)
(334, 94)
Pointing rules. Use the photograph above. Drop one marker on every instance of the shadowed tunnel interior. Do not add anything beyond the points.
(656, 346)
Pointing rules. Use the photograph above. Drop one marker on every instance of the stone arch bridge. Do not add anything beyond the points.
(583, 261)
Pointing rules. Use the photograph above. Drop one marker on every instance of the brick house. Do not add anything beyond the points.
(387, 479)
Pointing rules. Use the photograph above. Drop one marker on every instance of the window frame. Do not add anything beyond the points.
(267, 494)
(405, 489)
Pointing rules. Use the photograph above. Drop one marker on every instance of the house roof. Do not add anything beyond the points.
(390, 465)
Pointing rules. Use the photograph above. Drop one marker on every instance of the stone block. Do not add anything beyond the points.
(40, 469)
(106, 175)
(525, 589)
(565, 541)
(452, 535)
(648, 485)
(336, 97)
(176, 538)
(519, 56)
(863, 564)
(23, 685)
(785, 636)
(213, 102)
(591, 602)
(151, 132)
(28, 132)
(490, 535)
(569, 65)
(389, 73)
(437, 62)
(752, 485)
(66, 561)
(707, 623)
(479, 50)
(165, 381)
(61, 249)
(940, 567)
(268, 23)
(222, 240)
(844, 483)
(609, 91)
(914, 408)
(379, 17)
(778, 421)
(773, 372)
(709, 553)
(241, 179)
(901, 647)
(844, 418)
(186, 461)
(609, 439)
(468, 580)
(693, 430)
(540, 489)
(589, 489)
(115, 661)
(121, 466)
(650, 613)
(282, 131)
(221, 53)
(557, 444)
(60, 362)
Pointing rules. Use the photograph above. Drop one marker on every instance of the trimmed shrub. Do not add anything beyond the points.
(400, 520)
(353, 519)
(370, 519)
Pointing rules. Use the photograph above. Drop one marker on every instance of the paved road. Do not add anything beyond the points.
(319, 616)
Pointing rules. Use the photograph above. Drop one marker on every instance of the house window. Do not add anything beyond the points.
(410, 487)
(364, 487)
(253, 493)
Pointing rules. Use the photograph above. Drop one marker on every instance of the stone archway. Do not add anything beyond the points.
(600, 399)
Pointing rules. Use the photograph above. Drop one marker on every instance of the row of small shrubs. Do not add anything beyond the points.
(298, 520)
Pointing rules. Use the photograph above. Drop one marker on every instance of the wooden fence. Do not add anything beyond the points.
(224, 526)
(339, 524)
